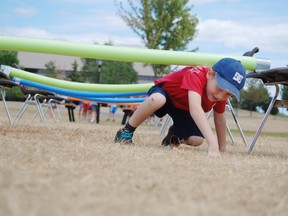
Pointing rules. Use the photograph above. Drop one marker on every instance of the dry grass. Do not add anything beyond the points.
(76, 169)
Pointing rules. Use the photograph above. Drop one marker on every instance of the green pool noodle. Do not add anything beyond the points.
(13, 72)
(116, 53)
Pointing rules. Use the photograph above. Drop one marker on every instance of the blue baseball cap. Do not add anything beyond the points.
(230, 75)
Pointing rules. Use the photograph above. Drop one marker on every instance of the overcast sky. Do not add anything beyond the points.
(225, 27)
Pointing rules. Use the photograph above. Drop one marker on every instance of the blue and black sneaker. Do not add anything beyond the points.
(124, 137)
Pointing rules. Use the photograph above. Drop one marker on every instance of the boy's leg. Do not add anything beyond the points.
(149, 106)
(184, 129)
(193, 141)
(153, 103)
(172, 140)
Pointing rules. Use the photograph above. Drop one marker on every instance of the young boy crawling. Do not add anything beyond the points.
(186, 95)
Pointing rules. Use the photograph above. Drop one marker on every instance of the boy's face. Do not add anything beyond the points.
(214, 93)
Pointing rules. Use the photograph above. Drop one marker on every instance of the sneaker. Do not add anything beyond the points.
(92, 120)
(123, 137)
(171, 139)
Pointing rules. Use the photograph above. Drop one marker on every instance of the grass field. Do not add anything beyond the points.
(76, 169)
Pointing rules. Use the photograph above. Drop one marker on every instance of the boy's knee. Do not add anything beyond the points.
(195, 141)
(157, 99)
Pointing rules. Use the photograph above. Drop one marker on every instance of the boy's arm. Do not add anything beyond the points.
(201, 121)
(220, 127)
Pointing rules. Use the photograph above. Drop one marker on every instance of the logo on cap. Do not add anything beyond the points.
(238, 77)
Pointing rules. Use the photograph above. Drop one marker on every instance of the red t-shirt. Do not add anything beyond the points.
(177, 85)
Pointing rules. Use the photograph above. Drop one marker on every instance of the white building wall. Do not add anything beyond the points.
(64, 63)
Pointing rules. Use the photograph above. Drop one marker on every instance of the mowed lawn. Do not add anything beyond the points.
(65, 168)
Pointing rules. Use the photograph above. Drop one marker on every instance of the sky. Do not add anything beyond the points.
(225, 26)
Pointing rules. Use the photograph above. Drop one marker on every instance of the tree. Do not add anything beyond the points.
(255, 96)
(74, 75)
(285, 93)
(89, 71)
(161, 24)
(265, 105)
(51, 70)
(114, 72)
(8, 58)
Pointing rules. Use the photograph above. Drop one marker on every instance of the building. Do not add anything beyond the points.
(35, 62)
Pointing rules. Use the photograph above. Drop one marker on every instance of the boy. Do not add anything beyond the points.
(186, 95)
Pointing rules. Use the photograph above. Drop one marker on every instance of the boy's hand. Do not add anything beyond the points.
(213, 150)
(213, 154)
(222, 148)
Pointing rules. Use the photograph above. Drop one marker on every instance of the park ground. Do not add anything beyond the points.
(74, 168)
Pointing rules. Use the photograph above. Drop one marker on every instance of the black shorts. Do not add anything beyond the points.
(184, 125)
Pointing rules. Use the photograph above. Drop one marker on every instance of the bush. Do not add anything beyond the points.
(14, 94)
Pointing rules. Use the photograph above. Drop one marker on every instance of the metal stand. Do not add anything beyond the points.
(273, 102)
(276, 77)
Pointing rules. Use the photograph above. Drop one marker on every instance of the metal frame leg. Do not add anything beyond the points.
(227, 126)
(31, 100)
(71, 113)
(3, 93)
(237, 123)
(58, 111)
(49, 108)
(230, 134)
(165, 124)
(22, 108)
(271, 105)
(39, 108)
(157, 122)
